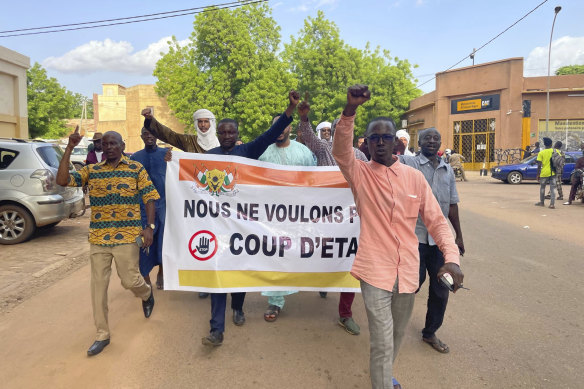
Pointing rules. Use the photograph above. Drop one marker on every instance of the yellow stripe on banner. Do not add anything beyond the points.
(248, 278)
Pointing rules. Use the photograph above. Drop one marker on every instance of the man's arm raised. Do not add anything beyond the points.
(63, 172)
(184, 142)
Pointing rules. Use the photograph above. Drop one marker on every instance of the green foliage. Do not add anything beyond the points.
(78, 106)
(231, 67)
(571, 69)
(326, 67)
(48, 104)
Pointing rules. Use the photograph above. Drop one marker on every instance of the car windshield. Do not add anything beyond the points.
(79, 151)
(529, 159)
(51, 155)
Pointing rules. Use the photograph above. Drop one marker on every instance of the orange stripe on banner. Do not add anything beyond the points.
(254, 175)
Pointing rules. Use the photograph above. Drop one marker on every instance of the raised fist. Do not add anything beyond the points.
(294, 98)
(147, 113)
(358, 94)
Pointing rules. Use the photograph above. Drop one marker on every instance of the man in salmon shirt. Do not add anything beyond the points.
(389, 197)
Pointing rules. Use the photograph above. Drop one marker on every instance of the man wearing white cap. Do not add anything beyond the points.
(205, 139)
(404, 137)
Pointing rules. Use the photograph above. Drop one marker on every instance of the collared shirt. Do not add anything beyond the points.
(115, 193)
(388, 201)
(443, 185)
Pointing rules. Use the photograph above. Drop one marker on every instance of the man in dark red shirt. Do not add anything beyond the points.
(576, 177)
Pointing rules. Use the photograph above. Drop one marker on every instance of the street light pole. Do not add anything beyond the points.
(547, 110)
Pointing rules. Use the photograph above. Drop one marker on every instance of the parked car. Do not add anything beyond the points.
(527, 169)
(29, 195)
(79, 156)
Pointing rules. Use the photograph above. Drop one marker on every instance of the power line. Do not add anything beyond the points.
(484, 45)
(142, 18)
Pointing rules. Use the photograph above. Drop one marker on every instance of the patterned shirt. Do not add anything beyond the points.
(114, 195)
(322, 148)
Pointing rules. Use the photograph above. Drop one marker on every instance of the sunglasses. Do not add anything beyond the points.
(386, 138)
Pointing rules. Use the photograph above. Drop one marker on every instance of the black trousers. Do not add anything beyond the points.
(431, 260)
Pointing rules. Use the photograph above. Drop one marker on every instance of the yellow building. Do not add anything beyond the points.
(118, 109)
(13, 104)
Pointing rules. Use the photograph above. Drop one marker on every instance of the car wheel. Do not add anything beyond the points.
(515, 178)
(16, 224)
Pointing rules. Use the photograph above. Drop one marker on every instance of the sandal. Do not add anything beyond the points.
(272, 313)
(437, 344)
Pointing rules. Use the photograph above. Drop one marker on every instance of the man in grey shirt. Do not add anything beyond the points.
(440, 177)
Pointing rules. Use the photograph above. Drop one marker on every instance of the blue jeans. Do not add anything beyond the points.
(218, 303)
(431, 260)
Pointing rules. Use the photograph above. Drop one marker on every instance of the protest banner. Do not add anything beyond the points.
(234, 224)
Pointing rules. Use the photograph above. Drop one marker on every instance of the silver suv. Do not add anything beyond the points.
(29, 194)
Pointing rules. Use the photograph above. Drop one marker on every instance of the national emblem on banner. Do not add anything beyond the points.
(214, 181)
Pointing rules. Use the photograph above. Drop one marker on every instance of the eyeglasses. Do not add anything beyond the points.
(386, 138)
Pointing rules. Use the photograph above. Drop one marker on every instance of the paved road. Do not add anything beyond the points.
(519, 327)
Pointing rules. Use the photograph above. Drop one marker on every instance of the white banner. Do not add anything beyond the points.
(234, 224)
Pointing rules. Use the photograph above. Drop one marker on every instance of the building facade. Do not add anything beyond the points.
(118, 109)
(490, 112)
(13, 103)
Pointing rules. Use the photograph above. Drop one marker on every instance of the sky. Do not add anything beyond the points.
(432, 34)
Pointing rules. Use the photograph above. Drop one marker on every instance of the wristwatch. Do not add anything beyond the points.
(152, 226)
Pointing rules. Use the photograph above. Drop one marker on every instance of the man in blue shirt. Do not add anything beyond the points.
(440, 177)
(228, 134)
(153, 158)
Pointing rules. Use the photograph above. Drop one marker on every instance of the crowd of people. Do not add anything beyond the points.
(403, 199)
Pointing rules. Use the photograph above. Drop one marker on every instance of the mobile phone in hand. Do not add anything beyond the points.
(139, 241)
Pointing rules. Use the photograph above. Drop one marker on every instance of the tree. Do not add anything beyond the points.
(230, 67)
(325, 67)
(48, 104)
(78, 107)
(571, 69)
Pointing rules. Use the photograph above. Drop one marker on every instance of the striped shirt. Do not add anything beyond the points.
(115, 193)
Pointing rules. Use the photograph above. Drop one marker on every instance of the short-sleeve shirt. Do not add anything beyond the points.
(115, 194)
(545, 157)
(443, 185)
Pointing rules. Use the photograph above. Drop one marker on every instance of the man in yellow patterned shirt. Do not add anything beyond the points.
(116, 187)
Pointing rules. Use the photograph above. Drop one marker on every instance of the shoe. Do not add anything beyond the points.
(552, 207)
(148, 305)
(213, 339)
(540, 204)
(238, 317)
(203, 295)
(97, 347)
(349, 325)
(548, 196)
(395, 384)
(568, 203)
(323, 294)
(560, 198)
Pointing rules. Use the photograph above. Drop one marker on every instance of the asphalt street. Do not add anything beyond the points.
(520, 325)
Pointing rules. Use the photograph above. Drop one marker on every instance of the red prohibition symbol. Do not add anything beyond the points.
(200, 243)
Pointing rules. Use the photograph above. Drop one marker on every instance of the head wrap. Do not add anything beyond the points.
(207, 140)
(403, 134)
(324, 125)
